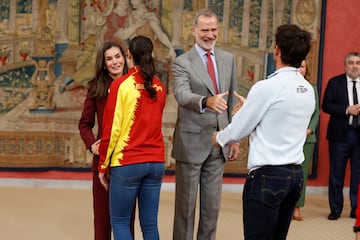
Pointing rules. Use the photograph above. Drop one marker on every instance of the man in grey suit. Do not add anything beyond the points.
(204, 106)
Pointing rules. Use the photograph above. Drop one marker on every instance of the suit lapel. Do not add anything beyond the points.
(344, 88)
(200, 70)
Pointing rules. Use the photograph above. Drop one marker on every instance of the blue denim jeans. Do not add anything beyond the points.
(128, 182)
(270, 195)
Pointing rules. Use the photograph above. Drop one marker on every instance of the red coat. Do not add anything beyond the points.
(92, 108)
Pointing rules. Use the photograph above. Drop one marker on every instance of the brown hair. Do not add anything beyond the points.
(99, 85)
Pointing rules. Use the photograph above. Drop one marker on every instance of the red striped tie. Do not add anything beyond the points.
(211, 71)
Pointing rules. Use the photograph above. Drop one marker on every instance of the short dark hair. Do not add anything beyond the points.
(351, 54)
(294, 44)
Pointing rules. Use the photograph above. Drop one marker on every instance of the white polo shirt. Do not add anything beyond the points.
(276, 115)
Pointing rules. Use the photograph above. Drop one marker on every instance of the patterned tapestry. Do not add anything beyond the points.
(44, 43)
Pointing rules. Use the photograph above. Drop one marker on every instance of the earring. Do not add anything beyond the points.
(104, 67)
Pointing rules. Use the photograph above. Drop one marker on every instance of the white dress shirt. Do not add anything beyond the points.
(350, 93)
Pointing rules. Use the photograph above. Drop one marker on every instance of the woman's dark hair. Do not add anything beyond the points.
(294, 44)
(99, 85)
(141, 49)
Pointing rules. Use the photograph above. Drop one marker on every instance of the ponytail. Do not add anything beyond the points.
(141, 49)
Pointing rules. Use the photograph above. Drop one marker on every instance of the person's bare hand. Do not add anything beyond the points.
(217, 102)
(239, 104)
(357, 109)
(104, 180)
(354, 109)
(234, 151)
(95, 147)
(213, 138)
(351, 110)
(308, 132)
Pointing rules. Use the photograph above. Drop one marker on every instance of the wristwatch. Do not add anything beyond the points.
(203, 102)
(356, 229)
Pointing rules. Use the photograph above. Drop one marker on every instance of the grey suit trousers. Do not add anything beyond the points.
(207, 178)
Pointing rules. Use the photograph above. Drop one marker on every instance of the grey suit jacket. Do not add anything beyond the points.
(191, 81)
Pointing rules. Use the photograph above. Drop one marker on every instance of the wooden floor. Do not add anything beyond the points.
(42, 213)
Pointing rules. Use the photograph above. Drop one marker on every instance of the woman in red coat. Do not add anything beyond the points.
(110, 64)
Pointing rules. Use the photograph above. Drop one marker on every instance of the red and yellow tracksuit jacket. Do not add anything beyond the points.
(132, 121)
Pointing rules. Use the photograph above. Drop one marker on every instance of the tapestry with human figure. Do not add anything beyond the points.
(40, 110)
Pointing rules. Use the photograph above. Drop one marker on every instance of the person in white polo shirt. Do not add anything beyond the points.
(276, 115)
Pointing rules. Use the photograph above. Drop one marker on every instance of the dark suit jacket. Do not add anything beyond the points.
(193, 130)
(92, 108)
(335, 102)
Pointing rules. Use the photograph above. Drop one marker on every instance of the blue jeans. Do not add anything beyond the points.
(270, 195)
(128, 182)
